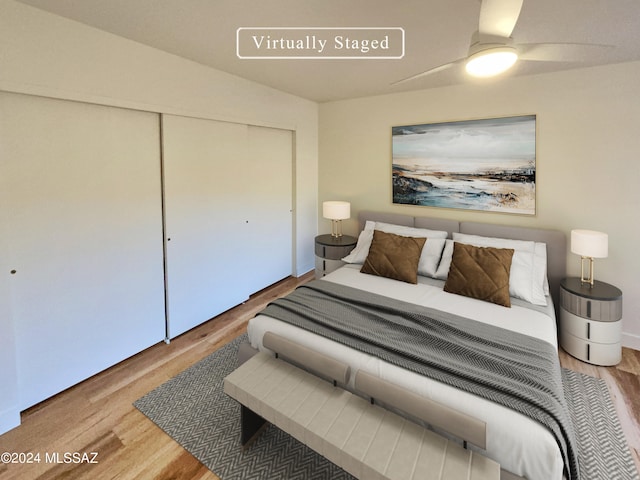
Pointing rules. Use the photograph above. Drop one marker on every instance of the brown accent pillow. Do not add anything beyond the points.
(394, 256)
(480, 272)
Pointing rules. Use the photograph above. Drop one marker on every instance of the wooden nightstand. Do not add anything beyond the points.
(590, 321)
(329, 251)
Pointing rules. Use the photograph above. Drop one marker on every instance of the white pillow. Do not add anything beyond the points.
(540, 260)
(431, 252)
(445, 262)
(409, 231)
(361, 250)
(528, 267)
(430, 257)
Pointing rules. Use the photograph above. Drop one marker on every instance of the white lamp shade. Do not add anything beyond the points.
(335, 210)
(589, 243)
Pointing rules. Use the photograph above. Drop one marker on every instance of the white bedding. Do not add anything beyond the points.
(519, 444)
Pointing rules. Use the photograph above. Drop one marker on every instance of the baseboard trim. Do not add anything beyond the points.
(9, 419)
(303, 271)
(630, 340)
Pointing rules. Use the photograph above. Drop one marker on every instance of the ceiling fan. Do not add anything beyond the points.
(493, 51)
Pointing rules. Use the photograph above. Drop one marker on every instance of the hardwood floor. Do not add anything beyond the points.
(98, 414)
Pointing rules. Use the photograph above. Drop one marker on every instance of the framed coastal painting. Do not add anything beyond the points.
(487, 164)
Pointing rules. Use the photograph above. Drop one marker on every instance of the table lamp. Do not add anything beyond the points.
(336, 212)
(589, 244)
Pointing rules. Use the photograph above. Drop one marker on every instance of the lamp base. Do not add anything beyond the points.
(336, 228)
(589, 280)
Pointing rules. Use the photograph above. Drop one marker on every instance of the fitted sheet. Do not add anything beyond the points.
(519, 444)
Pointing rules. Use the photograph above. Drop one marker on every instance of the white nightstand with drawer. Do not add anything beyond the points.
(591, 321)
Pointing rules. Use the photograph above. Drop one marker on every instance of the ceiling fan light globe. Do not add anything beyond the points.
(491, 61)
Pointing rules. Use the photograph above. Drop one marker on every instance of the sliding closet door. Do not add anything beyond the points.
(270, 176)
(228, 196)
(204, 179)
(85, 237)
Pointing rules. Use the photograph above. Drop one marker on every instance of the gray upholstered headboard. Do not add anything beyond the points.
(556, 240)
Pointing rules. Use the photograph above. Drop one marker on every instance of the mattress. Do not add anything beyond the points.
(519, 444)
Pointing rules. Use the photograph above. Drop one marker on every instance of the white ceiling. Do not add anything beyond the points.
(436, 32)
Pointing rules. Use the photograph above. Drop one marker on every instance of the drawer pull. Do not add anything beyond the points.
(588, 352)
(589, 308)
(588, 331)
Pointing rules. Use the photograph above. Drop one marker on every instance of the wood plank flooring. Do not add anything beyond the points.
(98, 416)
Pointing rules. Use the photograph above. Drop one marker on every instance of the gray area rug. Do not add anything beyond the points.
(193, 410)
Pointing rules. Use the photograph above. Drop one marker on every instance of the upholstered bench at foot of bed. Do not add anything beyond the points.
(364, 439)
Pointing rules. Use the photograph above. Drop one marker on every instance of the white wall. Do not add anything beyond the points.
(43, 54)
(588, 146)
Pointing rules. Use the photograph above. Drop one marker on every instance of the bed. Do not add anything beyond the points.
(524, 447)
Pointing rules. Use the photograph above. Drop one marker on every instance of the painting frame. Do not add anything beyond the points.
(486, 164)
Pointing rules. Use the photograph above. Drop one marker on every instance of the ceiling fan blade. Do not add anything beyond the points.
(431, 71)
(562, 52)
(499, 17)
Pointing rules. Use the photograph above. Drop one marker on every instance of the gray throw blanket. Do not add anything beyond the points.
(511, 369)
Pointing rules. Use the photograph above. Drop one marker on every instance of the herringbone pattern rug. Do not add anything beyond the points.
(604, 453)
(194, 411)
